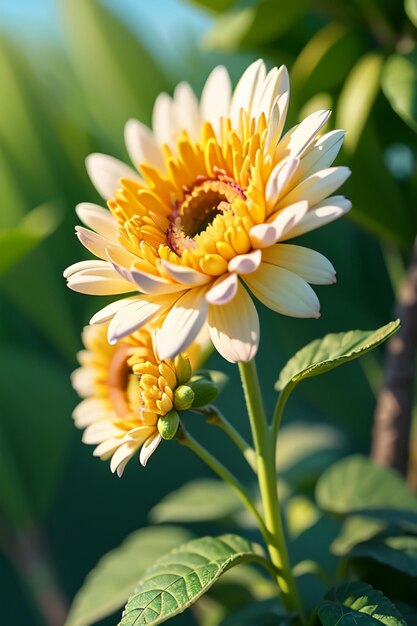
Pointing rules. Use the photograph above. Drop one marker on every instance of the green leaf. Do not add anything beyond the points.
(304, 450)
(356, 529)
(253, 25)
(410, 7)
(15, 243)
(197, 501)
(358, 603)
(218, 6)
(36, 400)
(356, 485)
(177, 580)
(262, 613)
(398, 552)
(110, 583)
(101, 49)
(399, 83)
(323, 355)
(357, 98)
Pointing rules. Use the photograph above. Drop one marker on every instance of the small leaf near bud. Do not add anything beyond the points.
(183, 398)
(183, 369)
(168, 425)
(204, 390)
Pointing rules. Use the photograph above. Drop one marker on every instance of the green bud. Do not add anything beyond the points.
(183, 398)
(168, 425)
(183, 369)
(204, 390)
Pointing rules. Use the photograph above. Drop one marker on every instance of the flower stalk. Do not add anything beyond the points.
(265, 456)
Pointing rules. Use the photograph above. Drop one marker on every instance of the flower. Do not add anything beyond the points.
(217, 192)
(127, 390)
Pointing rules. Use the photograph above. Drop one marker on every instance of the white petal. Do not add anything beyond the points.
(320, 215)
(187, 111)
(102, 281)
(100, 431)
(223, 290)
(96, 244)
(184, 275)
(106, 313)
(276, 83)
(121, 260)
(106, 448)
(318, 186)
(312, 266)
(105, 173)
(215, 98)
(149, 448)
(283, 291)
(245, 263)
(234, 328)
(89, 410)
(149, 283)
(321, 155)
(121, 457)
(279, 179)
(135, 314)
(276, 122)
(246, 89)
(264, 235)
(98, 219)
(298, 138)
(163, 119)
(83, 380)
(182, 324)
(141, 145)
(84, 265)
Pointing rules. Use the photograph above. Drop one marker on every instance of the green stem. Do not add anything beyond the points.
(279, 409)
(187, 440)
(265, 453)
(215, 417)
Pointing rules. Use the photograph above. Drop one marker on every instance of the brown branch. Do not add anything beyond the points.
(392, 420)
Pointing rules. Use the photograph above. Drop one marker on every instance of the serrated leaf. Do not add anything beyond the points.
(399, 553)
(113, 579)
(358, 603)
(356, 485)
(357, 98)
(399, 83)
(323, 355)
(178, 579)
(197, 501)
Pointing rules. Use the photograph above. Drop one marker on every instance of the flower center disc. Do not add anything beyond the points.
(201, 204)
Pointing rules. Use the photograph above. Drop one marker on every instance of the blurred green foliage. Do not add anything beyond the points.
(68, 95)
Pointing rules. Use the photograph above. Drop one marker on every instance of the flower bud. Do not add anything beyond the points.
(182, 369)
(168, 425)
(204, 390)
(183, 398)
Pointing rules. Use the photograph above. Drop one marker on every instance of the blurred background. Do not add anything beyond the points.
(71, 73)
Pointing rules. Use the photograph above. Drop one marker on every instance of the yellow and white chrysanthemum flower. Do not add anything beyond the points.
(217, 191)
(126, 390)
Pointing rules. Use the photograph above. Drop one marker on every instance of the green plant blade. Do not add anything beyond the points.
(197, 501)
(356, 529)
(356, 485)
(357, 98)
(322, 355)
(36, 401)
(399, 83)
(15, 243)
(400, 553)
(113, 579)
(178, 579)
(358, 603)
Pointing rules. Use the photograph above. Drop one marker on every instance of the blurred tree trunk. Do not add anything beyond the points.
(392, 420)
